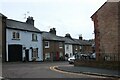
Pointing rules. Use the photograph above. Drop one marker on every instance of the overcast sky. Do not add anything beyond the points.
(67, 16)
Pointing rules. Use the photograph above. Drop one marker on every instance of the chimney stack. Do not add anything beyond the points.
(30, 20)
(80, 37)
(53, 31)
(68, 36)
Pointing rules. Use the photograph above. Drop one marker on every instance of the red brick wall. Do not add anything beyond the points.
(106, 31)
(119, 31)
(85, 49)
(108, 27)
(76, 49)
(97, 40)
(53, 49)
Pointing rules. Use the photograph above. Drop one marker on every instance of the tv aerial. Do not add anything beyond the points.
(26, 14)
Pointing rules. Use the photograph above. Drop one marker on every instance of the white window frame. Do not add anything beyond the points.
(80, 47)
(47, 55)
(47, 45)
(60, 45)
(76, 48)
(16, 35)
(60, 54)
(34, 37)
(35, 53)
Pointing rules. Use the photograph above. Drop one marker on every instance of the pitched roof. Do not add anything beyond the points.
(13, 24)
(98, 9)
(1, 15)
(69, 40)
(50, 36)
(53, 37)
(82, 42)
(75, 41)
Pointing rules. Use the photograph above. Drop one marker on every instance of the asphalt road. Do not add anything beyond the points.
(38, 70)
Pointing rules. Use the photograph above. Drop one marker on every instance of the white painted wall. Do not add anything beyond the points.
(69, 50)
(25, 41)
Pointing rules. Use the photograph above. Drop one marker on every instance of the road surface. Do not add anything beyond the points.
(39, 70)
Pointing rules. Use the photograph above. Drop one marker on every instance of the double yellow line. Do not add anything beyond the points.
(53, 68)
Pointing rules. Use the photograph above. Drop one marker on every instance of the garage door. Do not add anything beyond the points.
(14, 53)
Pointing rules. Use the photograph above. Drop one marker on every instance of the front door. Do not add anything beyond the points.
(57, 56)
(27, 55)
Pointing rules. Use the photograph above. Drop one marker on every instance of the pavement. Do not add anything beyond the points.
(90, 71)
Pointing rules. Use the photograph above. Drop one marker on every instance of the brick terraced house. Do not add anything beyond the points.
(24, 42)
(107, 31)
(56, 47)
(53, 46)
(76, 46)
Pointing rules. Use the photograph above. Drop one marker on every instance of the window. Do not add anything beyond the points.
(60, 45)
(34, 37)
(67, 47)
(16, 35)
(80, 47)
(70, 54)
(35, 53)
(76, 48)
(61, 56)
(47, 56)
(46, 44)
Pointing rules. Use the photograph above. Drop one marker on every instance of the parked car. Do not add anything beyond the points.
(71, 59)
(93, 56)
(83, 55)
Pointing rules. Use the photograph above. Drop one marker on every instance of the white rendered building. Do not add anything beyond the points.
(23, 41)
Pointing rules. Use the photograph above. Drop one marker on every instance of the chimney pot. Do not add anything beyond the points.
(80, 37)
(53, 31)
(30, 20)
(68, 35)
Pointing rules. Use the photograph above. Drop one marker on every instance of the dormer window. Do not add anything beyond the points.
(34, 37)
(16, 35)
